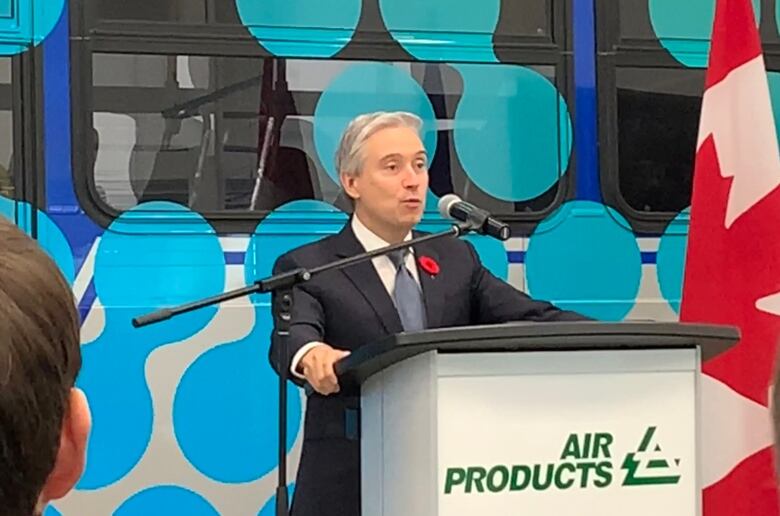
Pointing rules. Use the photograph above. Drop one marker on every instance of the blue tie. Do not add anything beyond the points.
(407, 294)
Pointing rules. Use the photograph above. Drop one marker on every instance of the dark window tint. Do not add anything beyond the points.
(658, 119)
(185, 11)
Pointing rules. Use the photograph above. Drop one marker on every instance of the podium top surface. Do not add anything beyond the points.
(533, 336)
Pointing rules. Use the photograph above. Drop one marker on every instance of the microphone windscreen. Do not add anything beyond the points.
(445, 203)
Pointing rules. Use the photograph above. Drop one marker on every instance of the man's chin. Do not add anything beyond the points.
(412, 220)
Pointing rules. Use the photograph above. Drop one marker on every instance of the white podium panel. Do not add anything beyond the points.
(577, 433)
(568, 434)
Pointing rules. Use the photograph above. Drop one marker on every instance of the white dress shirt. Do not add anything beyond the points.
(384, 268)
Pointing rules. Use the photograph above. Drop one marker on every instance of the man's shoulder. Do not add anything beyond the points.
(308, 255)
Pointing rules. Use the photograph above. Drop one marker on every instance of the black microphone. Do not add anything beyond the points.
(453, 207)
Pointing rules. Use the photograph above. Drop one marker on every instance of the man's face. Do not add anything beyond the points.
(389, 191)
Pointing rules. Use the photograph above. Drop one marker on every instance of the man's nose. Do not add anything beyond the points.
(411, 179)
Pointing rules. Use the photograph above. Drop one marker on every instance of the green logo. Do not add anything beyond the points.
(646, 467)
(585, 462)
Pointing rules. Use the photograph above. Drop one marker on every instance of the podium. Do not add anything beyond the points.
(565, 419)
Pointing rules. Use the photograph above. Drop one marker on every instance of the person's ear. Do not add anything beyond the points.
(349, 184)
(71, 456)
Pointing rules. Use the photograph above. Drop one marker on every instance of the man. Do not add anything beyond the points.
(382, 166)
(44, 420)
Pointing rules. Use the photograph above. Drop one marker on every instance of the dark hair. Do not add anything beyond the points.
(40, 357)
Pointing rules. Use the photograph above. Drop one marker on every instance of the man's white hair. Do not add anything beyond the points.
(349, 158)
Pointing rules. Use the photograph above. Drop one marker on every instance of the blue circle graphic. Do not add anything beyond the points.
(512, 131)
(583, 258)
(684, 28)
(50, 237)
(290, 226)
(670, 263)
(156, 255)
(236, 440)
(301, 28)
(29, 20)
(8, 208)
(443, 30)
(53, 241)
(365, 88)
(166, 500)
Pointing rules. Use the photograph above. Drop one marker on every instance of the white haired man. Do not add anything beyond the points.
(383, 168)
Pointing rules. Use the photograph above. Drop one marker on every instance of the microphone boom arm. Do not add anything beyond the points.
(282, 285)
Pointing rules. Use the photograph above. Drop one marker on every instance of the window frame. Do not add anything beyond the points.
(613, 53)
(166, 38)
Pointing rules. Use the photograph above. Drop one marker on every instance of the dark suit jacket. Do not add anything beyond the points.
(350, 308)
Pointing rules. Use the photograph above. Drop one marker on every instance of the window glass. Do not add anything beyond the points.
(658, 120)
(249, 134)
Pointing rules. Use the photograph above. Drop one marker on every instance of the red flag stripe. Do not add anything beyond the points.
(735, 39)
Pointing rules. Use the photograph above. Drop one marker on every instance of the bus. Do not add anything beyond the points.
(164, 151)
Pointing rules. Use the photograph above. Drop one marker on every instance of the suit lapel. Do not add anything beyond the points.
(366, 280)
(432, 287)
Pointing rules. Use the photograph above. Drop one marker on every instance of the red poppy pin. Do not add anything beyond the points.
(429, 265)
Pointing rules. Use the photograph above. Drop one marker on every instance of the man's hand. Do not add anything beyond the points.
(317, 366)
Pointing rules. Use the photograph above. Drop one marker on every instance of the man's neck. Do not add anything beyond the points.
(389, 235)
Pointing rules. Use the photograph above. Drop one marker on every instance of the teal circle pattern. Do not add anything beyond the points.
(156, 255)
(245, 409)
(670, 261)
(490, 251)
(301, 28)
(512, 131)
(365, 88)
(51, 511)
(583, 258)
(29, 20)
(8, 208)
(50, 237)
(444, 30)
(290, 226)
(684, 28)
(166, 500)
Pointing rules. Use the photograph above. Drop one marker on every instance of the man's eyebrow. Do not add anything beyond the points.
(396, 155)
(388, 157)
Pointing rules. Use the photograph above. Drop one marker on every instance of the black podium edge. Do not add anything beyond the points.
(367, 360)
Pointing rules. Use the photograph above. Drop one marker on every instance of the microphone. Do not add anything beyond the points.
(453, 207)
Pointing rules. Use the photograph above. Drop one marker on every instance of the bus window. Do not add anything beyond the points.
(652, 60)
(657, 116)
(237, 134)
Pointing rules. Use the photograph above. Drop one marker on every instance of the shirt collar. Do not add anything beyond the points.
(367, 238)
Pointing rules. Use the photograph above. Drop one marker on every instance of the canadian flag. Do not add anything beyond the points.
(732, 272)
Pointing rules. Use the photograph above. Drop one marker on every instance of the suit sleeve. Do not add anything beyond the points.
(307, 322)
(496, 301)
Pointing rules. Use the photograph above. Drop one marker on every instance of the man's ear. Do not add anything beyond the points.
(348, 183)
(71, 456)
